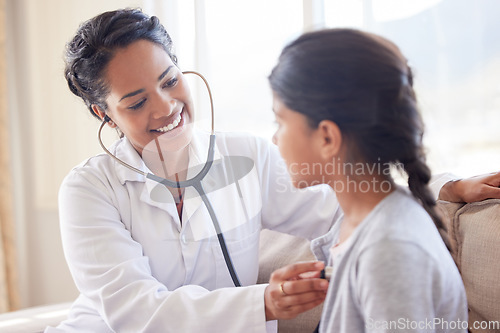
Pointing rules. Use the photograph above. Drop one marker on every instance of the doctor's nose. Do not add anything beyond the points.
(275, 139)
(164, 107)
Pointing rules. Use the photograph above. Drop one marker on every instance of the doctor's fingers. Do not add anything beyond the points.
(478, 188)
(297, 287)
(303, 295)
(296, 271)
(290, 306)
(492, 186)
(491, 192)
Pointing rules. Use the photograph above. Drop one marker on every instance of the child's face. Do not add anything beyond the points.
(298, 145)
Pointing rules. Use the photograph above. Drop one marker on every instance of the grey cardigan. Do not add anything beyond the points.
(394, 275)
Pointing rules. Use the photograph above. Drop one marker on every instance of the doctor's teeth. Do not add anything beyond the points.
(170, 126)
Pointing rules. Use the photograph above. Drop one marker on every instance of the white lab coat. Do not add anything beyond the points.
(139, 269)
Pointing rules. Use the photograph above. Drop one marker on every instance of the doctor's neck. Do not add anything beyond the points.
(171, 165)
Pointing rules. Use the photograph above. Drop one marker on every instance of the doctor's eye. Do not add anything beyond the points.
(171, 82)
(138, 105)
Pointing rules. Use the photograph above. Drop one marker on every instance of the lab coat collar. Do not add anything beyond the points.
(155, 194)
(198, 152)
(124, 151)
(127, 153)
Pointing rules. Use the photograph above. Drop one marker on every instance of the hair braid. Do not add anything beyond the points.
(419, 176)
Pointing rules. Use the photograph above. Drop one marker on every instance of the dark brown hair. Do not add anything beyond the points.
(95, 43)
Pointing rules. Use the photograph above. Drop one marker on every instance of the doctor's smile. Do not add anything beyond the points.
(173, 126)
(170, 126)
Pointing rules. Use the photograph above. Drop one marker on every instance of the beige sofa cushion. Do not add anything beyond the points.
(278, 250)
(474, 231)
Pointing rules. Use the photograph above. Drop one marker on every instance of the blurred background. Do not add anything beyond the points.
(452, 45)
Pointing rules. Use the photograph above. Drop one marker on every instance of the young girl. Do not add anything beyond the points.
(347, 115)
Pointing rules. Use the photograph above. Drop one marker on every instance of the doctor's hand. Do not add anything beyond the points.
(294, 289)
(472, 189)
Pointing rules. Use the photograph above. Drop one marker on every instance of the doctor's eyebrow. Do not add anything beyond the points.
(164, 73)
(133, 93)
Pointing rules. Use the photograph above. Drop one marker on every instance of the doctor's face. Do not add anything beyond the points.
(297, 143)
(148, 97)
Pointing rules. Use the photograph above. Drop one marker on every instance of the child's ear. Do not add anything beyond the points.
(330, 138)
(101, 114)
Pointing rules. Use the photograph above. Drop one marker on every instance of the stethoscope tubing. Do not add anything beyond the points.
(194, 182)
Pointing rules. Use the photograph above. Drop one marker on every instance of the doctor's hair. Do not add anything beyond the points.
(95, 43)
(363, 83)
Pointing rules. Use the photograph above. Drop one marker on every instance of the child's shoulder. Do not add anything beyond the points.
(401, 217)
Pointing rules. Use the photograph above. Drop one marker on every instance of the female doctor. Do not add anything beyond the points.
(148, 257)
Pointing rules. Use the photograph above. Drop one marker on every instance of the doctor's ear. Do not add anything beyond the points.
(330, 138)
(101, 114)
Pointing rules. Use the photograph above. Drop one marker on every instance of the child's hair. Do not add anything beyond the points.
(361, 82)
(95, 43)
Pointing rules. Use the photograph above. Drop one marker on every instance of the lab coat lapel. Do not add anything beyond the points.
(125, 152)
(153, 193)
(157, 195)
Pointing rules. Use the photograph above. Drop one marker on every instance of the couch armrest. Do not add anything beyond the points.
(474, 231)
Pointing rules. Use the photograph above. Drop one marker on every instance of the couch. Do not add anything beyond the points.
(474, 234)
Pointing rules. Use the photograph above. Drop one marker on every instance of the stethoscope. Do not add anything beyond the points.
(194, 182)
